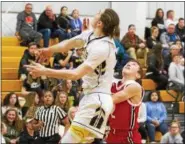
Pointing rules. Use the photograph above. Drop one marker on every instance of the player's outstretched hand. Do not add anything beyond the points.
(43, 55)
(35, 69)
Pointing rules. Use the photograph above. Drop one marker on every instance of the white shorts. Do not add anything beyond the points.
(93, 113)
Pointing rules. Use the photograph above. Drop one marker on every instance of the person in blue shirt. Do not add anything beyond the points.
(156, 114)
(76, 24)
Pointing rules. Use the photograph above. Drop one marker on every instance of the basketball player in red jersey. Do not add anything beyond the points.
(127, 97)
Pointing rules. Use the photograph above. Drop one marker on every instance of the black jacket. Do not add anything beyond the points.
(153, 64)
(180, 33)
(25, 138)
(63, 22)
(25, 60)
(151, 42)
(45, 22)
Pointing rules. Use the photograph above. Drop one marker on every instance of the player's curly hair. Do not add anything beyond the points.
(111, 21)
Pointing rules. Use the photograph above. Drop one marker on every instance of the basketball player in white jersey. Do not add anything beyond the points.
(97, 74)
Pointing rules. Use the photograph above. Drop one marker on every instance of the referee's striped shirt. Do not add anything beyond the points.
(50, 116)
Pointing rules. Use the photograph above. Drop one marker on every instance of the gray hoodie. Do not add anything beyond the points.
(26, 22)
(169, 139)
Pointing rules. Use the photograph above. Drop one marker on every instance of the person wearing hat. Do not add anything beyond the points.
(28, 135)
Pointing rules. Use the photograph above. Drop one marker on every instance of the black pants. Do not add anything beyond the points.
(142, 130)
(48, 140)
(160, 79)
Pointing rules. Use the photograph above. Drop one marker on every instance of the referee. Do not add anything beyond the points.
(47, 119)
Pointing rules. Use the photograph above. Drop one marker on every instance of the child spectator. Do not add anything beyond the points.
(28, 56)
(158, 21)
(135, 47)
(176, 73)
(71, 113)
(26, 28)
(141, 120)
(72, 93)
(156, 114)
(11, 101)
(14, 126)
(28, 136)
(154, 70)
(3, 132)
(173, 136)
(62, 101)
(152, 41)
(63, 60)
(169, 18)
(47, 121)
(77, 58)
(76, 24)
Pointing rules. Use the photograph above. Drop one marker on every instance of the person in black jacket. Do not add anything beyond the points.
(28, 56)
(28, 135)
(152, 41)
(154, 70)
(47, 25)
(180, 29)
(63, 21)
(158, 21)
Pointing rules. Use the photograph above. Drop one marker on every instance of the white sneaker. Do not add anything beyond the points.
(143, 141)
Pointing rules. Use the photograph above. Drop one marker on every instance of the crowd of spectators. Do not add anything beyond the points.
(53, 99)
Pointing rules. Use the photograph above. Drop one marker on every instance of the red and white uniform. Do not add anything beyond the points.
(123, 122)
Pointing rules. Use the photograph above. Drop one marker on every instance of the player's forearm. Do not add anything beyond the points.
(66, 45)
(61, 74)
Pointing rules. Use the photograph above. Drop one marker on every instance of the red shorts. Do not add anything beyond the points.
(125, 137)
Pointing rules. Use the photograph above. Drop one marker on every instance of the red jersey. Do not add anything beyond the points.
(124, 117)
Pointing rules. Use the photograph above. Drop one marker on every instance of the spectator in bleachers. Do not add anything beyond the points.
(26, 28)
(173, 136)
(135, 47)
(170, 18)
(156, 115)
(3, 132)
(14, 126)
(180, 29)
(86, 24)
(77, 58)
(158, 21)
(174, 50)
(28, 136)
(76, 23)
(11, 101)
(71, 113)
(28, 56)
(154, 70)
(33, 101)
(168, 38)
(47, 25)
(176, 72)
(63, 21)
(62, 101)
(63, 60)
(151, 41)
(141, 120)
(71, 92)
(46, 120)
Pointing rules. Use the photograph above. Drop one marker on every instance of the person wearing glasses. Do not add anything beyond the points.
(26, 28)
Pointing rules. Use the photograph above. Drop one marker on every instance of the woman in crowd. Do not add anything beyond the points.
(62, 101)
(76, 24)
(33, 105)
(72, 93)
(152, 41)
(158, 21)
(14, 126)
(47, 118)
(28, 136)
(174, 135)
(63, 21)
(11, 101)
(154, 70)
(156, 114)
